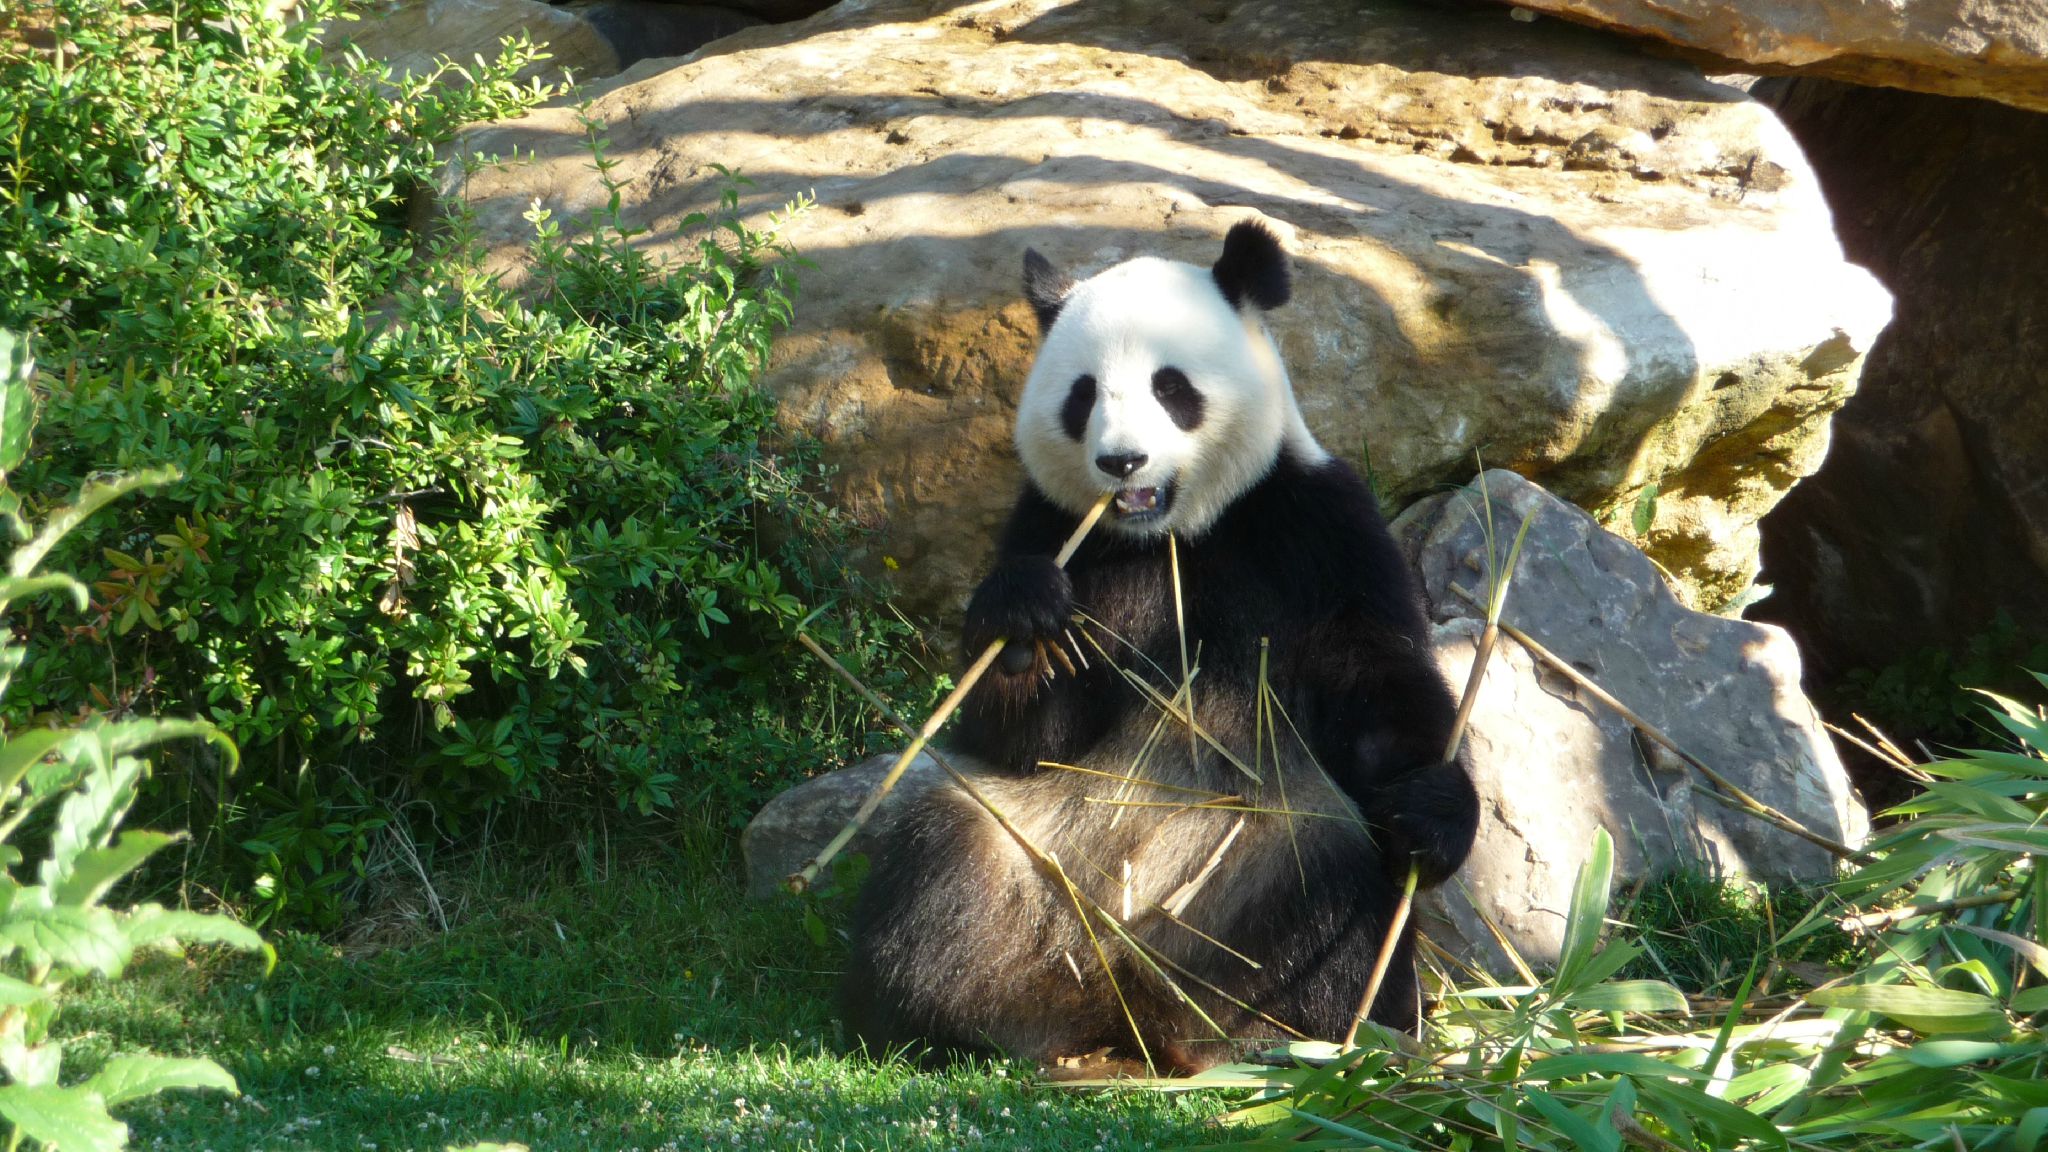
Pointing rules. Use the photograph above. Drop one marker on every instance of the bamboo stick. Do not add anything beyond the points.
(802, 877)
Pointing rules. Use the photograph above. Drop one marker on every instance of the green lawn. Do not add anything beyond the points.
(647, 1005)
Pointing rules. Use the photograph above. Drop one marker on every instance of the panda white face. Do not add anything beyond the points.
(1157, 381)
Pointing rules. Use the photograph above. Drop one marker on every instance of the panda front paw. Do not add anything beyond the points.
(1027, 601)
(1430, 818)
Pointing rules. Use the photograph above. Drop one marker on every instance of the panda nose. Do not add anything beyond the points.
(1121, 464)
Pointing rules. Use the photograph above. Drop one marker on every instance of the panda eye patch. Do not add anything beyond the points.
(1080, 402)
(1178, 395)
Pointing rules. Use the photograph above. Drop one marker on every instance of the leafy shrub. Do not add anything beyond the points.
(438, 545)
(53, 927)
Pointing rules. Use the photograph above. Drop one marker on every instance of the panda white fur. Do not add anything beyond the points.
(1263, 876)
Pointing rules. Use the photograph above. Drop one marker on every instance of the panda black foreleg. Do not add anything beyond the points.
(1430, 816)
(1027, 600)
(1424, 807)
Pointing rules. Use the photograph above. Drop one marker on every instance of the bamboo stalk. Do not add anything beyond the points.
(801, 878)
(1885, 919)
(1386, 957)
(1498, 580)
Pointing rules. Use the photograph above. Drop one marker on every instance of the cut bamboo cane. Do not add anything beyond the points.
(1498, 582)
(802, 877)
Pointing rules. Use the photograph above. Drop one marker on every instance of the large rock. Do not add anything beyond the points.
(788, 831)
(1599, 267)
(585, 40)
(1553, 763)
(1930, 518)
(1996, 49)
(413, 35)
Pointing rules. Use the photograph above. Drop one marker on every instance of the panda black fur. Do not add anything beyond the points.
(1158, 381)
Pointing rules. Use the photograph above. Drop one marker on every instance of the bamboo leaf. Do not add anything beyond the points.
(2022, 947)
(1929, 1010)
(1587, 913)
(1628, 996)
(1730, 1118)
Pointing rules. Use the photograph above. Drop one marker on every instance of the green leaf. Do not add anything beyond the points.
(17, 400)
(2034, 999)
(1645, 513)
(1628, 996)
(2030, 840)
(153, 926)
(1950, 1053)
(96, 495)
(14, 990)
(1730, 1118)
(1930, 1010)
(2032, 1130)
(26, 749)
(132, 1077)
(71, 1119)
(1587, 913)
(2026, 949)
(1573, 1065)
(83, 939)
(95, 870)
(1576, 1128)
(131, 736)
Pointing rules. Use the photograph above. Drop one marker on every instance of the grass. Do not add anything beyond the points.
(642, 1005)
(1702, 933)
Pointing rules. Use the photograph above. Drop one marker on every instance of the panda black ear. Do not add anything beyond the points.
(1253, 268)
(1046, 287)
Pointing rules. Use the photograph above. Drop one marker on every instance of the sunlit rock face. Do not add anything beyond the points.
(1993, 49)
(1598, 268)
(1554, 763)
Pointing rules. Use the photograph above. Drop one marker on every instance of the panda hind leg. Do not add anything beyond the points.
(961, 947)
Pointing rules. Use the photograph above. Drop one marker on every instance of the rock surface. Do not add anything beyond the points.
(1931, 514)
(587, 40)
(410, 35)
(1599, 267)
(790, 829)
(1552, 763)
(1995, 49)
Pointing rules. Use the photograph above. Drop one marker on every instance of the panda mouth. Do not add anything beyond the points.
(1145, 503)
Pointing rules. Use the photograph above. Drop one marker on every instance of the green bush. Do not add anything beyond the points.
(438, 545)
(80, 781)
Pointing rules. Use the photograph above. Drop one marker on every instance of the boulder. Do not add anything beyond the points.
(1603, 269)
(586, 40)
(1552, 762)
(412, 36)
(789, 830)
(1929, 521)
(1994, 49)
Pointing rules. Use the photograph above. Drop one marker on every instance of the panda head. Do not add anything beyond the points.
(1157, 381)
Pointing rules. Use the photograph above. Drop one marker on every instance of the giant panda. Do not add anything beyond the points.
(1256, 861)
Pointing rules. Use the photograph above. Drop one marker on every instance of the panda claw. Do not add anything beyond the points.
(1060, 653)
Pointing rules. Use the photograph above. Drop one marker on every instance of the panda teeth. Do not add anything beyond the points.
(1137, 500)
